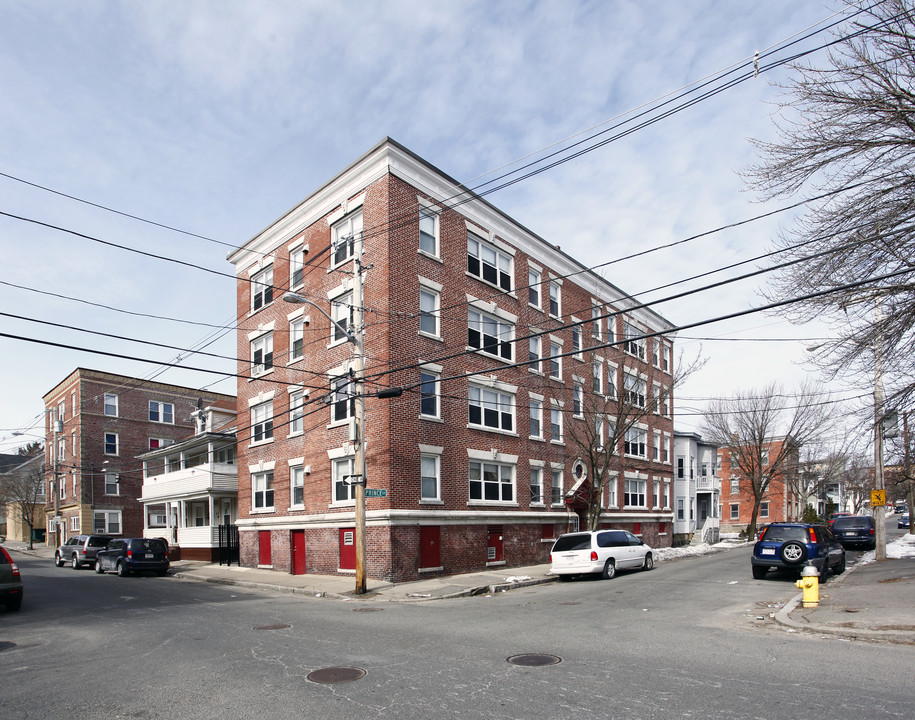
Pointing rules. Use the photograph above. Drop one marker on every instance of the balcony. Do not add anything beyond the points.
(189, 482)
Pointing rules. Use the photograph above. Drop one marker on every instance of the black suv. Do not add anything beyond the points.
(789, 546)
(80, 550)
(855, 531)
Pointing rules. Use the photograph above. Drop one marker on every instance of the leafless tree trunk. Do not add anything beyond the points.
(23, 489)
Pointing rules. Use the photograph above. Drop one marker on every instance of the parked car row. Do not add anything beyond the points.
(121, 555)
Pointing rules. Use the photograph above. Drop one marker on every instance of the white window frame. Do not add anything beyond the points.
(297, 486)
(556, 487)
(735, 511)
(433, 461)
(341, 467)
(160, 412)
(634, 388)
(535, 408)
(633, 343)
(477, 473)
(262, 423)
(596, 313)
(555, 299)
(578, 398)
(635, 492)
(342, 390)
(342, 310)
(536, 486)
(110, 401)
(296, 412)
(597, 377)
(534, 288)
(296, 337)
(578, 343)
(535, 354)
(110, 527)
(262, 289)
(430, 378)
(156, 443)
(297, 265)
(478, 322)
(106, 443)
(484, 254)
(555, 359)
(426, 216)
(344, 235)
(430, 302)
(262, 345)
(634, 442)
(495, 407)
(263, 491)
(114, 483)
(556, 423)
(764, 509)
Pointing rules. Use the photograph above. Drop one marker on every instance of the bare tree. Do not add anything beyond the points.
(22, 489)
(847, 129)
(746, 425)
(858, 483)
(902, 476)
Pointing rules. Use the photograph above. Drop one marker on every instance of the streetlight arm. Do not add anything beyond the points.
(296, 299)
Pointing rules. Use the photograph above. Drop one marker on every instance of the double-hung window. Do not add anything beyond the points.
(296, 412)
(634, 342)
(112, 483)
(536, 485)
(342, 311)
(534, 353)
(576, 341)
(665, 356)
(107, 522)
(429, 301)
(556, 487)
(344, 488)
(595, 322)
(555, 361)
(297, 485)
(556, 424)
(111, 443)
(489, 264)
(111, 404)
(262, 354)
(343, 400)
(493, 482)
(533, 287)
(428, 231)
(536, 412)
(634, 443)
(578, 400)
(491, 408)
(429, 477)
(656, 447)
(262, 288)
(162, 412)
(428, 394)
(489, 334)
(634, 388)
(296, 267)
(345, 235)
(597, 375)
(262, 490)
(555, 299)
(262, 422)
(296, 339)
(635, 492)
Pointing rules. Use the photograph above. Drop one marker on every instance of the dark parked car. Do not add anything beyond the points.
(904, 521)
(133, 555)
(80, 550)
(789, 546)
(10, 582)
(835, 516)
(855, 531)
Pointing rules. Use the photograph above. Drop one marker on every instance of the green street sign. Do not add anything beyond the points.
(375, 492)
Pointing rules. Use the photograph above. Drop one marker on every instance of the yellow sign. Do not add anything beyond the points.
(878, 497)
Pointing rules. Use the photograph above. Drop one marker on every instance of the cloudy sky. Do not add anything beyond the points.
(214, 118)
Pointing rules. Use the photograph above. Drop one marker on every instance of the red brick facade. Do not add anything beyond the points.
(504, 528)
(96, 443)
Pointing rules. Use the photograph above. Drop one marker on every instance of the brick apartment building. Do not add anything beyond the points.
(494, 335)
(96, 425)
(782, 501)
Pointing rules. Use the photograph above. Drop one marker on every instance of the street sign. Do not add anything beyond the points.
(375, 492)
(878, 497)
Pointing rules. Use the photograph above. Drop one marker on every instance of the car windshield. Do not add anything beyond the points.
(572, 542)
(99, 541)
(853, 522)
(781, 533)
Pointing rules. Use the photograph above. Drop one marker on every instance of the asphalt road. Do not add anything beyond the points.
(691, 639)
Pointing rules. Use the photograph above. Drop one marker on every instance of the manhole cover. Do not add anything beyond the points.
(534, 660)
(271, 627)
(332, 675)
(367, 609)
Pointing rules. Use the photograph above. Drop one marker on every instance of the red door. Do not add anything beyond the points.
(298, 552)
(347, 548)
(429, 555)
(494, 545)
(264, 556)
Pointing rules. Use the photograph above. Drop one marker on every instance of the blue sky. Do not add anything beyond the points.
(217, 117)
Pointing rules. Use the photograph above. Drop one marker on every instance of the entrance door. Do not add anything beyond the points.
(347, 548)
(494, 545)
(298, 552)
(264, 556)
(429, 553)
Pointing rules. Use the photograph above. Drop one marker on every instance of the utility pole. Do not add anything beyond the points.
(359, 419)
(879, 480)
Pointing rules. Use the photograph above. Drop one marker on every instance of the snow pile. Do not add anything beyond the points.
(901, 547)
(690, 550)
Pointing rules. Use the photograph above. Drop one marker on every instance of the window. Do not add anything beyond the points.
(489, 264)
(492, 482)
(635, 492)
(597, 375)
(62, 411)
(681, 468)
(61, 449)
(576, 341)
(429, 480)
(556, 487)
(533, 288)
(536, 485)
(735, 487)
(536, 409)
(296, 267)
(534, 354)
(343, 401)
(578, 407)
(491, 408)
(262, 422)
(296, 340)
(156, 443)
(489, 334)
(297, 484)
(634, 443)
(656, 492)
(595, 322)
(666, 496)
(344, 237)
(663, 401)
(611, 329)
(342, 471)
(555, 361)
(161, 412)
(735, 511)
(634, 389)
(634, 344)
(112, 486)
(111, 443)
(342, 311)
(764, 509)
(296, 412)
(261, 355)
(428, 232)
(655, 350)
(262, 289)
(665, 449)
(665, 357)
(556, 424)
(555, 299)
(680, 511)
(262, 490)
(428, 394)
(428, 312)
(107, 522)
(611, 380)
(111, 404)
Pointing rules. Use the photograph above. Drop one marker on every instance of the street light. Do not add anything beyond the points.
(354, 335)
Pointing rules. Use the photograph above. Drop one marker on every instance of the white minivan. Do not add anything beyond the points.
(598, 551)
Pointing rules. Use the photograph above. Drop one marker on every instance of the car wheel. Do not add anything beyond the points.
(840, 568)
(14, 604)
(649, 562)
(161, 573)
(759, 572)
(74, 562)
(122, 570)
(98, 567)
(793, 552)
(58, 560)
(565, 578)
(609, 570)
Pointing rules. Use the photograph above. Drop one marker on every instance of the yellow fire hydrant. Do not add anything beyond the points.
(810, 584)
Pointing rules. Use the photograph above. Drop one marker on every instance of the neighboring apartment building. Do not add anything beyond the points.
(97, 424)
(782, 501)
(22, 488)
(697, 489)
(190, 488)
(496, 338)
